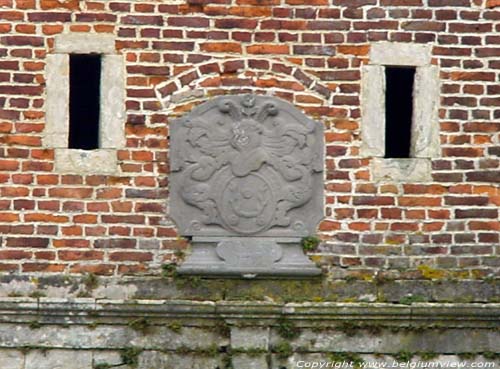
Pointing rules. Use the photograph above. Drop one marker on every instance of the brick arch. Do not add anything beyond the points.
(246, 74)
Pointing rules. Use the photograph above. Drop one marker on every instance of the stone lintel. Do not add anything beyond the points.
(84, 43)
(398, 53)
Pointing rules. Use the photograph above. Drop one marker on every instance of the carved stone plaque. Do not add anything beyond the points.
(246, 181)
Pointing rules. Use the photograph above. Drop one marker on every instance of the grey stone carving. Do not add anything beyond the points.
(246, 184)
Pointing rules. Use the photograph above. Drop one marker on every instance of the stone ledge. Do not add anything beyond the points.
(86, 310)
(199, 289)
(178, 327)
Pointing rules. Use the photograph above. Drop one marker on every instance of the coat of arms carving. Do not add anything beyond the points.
(246, 166)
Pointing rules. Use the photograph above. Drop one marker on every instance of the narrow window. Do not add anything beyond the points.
(84, 97)
(398, 111)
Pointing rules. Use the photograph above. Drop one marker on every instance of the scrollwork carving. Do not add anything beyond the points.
(242, 164)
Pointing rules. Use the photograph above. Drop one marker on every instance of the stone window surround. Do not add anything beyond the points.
(425, 123)
(112, 104)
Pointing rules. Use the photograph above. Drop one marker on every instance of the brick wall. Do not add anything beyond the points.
(309, 52)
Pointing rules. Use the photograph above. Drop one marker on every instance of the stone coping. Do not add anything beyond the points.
(87, 310)
(279, 291)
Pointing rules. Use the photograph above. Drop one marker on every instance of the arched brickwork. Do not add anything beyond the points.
(262, 76)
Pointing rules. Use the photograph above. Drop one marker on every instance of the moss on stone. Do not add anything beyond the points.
(35, 324)
(209, 351)
(142, 325)
(428, 355)
(410, 299)
(432, 273)
(403, 356)
(286, 329)
(283, 349)
(354, 360)
(175, 326)
(130, 356)
(310, 243)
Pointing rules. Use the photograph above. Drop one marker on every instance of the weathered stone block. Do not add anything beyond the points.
(11, 359)
(416, 170)
(86, 161)
(249, 338)
(58, 359)
(249, 362)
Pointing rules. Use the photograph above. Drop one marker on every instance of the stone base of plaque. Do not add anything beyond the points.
(248, 257)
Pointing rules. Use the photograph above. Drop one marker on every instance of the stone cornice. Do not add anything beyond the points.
(87, 311)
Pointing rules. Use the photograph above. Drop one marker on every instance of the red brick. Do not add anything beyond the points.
(476, 213)
(221, 47)
(99, 269)
(228, 23)
(251, 12)
(131, 219)
(419, 201)
(463, 152)
(15, 229)
(37, 166)
(401, 3)
(43, 267)
(14, 254)
(472, 76)
(470, 27)
(391, 213)
(75, 193)
(484, 225)
(27, 242)
(424, 26)
(14, 191)
(70, 255)
(492, 3)
(65, 4)
(328, 25)
(466, 200)
(5, 267)
(9, 165)
(327, 226)
(20, 139)
(130, 256)
(45, 218)
(72, 231)
(122, 243)
(373, 200)
(268, 49)
(196, 22)
(72, 242)
(359, 50)
(45, 255)
(49, 17)
(155, 20)
(258, 2)
(445, 3)
(109, 193)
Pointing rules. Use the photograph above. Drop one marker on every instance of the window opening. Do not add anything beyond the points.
(84, 101)
(398, 111)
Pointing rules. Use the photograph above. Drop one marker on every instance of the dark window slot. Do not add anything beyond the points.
(84, 96)
(398, 111)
